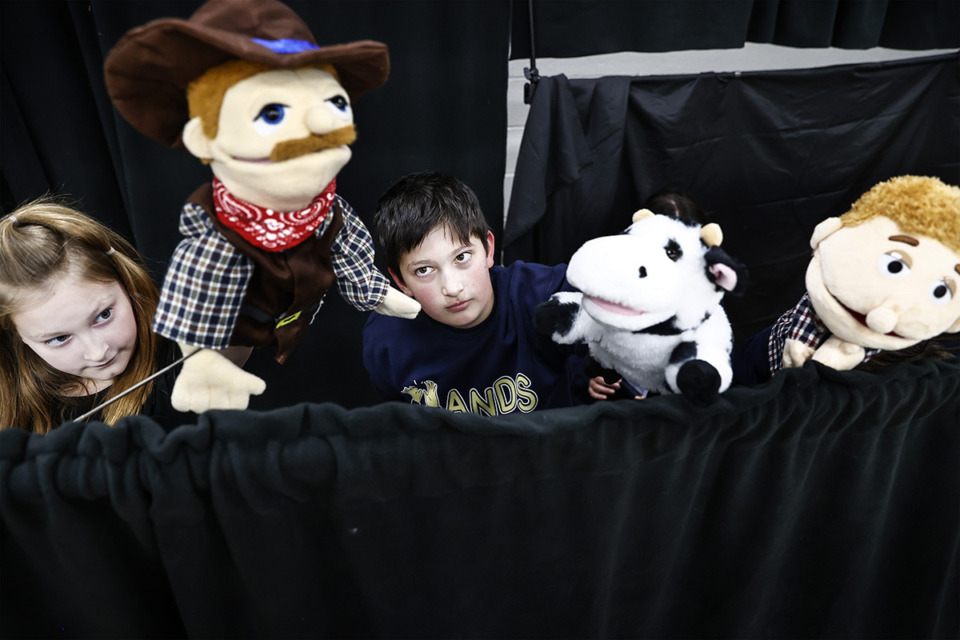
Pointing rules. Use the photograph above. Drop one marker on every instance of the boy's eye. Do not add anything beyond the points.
(269, 118)
(56, 342)
(462, 257)
(104, 315)
(423, 271)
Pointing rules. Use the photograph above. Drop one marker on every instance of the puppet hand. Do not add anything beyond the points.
(210, 381)
(839, 354)
(557, 318)
(397, 304)
(795, 353)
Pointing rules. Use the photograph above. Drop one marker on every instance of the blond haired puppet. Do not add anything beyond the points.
(884, 276)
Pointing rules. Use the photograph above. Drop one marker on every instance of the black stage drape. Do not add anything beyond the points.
(443, 108)
(767, 154)
(820, 504)
(574, 28)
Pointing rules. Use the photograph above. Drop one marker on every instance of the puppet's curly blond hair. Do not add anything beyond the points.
(918, 204)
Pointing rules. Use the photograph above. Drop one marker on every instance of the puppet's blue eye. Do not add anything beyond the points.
(269, 118)
(340, 107)
(894, 264)
(941, 293)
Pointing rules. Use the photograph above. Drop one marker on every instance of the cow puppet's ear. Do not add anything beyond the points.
(711, 234)
(724, 276)
(641, 214)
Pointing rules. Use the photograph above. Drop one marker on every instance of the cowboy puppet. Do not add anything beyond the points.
(244, 87)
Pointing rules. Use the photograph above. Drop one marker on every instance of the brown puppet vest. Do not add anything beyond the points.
(287, 286)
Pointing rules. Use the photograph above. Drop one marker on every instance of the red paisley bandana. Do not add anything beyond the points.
(268, 229)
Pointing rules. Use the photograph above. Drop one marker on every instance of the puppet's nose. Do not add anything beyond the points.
(883, 319)
(320, 120)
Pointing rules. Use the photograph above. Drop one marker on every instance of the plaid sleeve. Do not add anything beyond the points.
(360, 282)
(204, 285)
(800, 323)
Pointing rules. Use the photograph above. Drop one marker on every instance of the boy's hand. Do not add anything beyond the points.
(208, 380)
(600, 390)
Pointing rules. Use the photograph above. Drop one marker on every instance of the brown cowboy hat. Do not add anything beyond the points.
(148, 70)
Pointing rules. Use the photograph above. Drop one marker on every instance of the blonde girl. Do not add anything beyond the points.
(76, 304)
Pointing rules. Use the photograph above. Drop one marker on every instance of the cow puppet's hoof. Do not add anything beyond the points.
(554, 316)
(699, 382)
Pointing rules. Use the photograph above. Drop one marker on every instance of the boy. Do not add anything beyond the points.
(474, 347)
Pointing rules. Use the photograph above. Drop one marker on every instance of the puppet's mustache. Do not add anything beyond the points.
(301, 146)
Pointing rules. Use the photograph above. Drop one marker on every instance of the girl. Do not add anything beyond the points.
(76, 304)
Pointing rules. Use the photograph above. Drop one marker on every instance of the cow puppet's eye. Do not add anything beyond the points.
(673, 250)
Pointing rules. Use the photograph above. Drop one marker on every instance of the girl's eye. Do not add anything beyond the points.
(59, 340)
(339, 106)
(893, 265)
(941, 293)
(269, 118)
(104, 315)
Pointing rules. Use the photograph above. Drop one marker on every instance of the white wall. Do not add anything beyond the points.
(752, 57)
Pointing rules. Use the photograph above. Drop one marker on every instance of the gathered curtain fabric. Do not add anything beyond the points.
(820, 504)
(767, 154)
(574, 28)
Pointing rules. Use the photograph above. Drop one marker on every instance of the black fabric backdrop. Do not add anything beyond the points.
(574, 28)
(443, 108)
(817, 505)
(767, 154)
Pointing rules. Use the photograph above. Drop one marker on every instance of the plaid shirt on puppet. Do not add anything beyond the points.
(800, 323)
(207, 279)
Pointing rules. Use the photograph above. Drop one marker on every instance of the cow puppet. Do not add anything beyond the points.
(649, 306)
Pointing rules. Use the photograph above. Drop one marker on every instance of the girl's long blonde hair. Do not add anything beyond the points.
(41, 241)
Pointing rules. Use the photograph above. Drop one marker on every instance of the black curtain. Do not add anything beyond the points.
(767, 154)
(443, 108)
(574, 28)
(820, 504)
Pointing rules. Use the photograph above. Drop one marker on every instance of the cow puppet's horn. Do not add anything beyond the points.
(711, 234)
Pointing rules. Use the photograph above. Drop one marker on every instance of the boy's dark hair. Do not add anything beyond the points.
(419, 203)
(676, 203)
